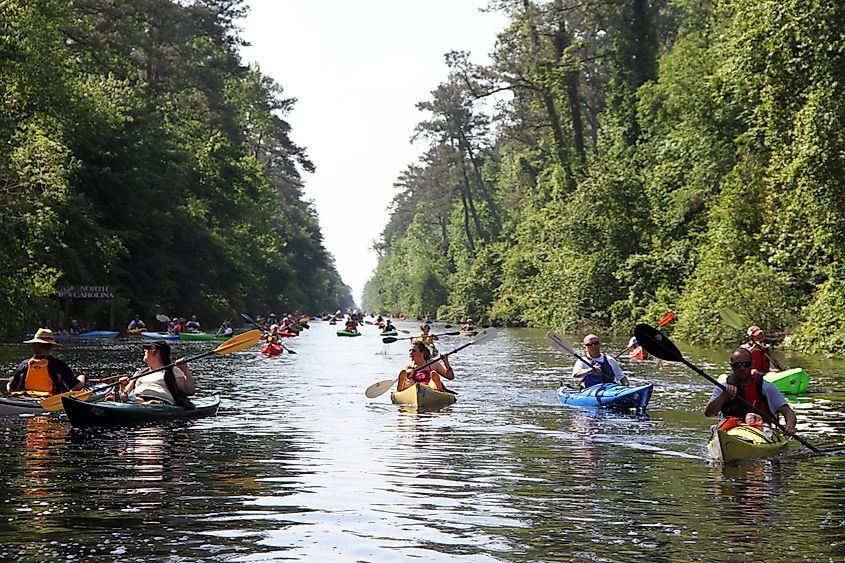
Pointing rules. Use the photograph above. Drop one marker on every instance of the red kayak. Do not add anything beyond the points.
(271, 349)
(285, 334)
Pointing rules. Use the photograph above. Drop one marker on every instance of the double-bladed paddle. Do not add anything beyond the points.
(558, 343)
(394, 328)
(249, 319)
(392, 339)
(733, 320)
(234, 344)
(657, 344)
(381, 387)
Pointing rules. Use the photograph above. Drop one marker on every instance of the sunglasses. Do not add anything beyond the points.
(593, 343)
(741, 364)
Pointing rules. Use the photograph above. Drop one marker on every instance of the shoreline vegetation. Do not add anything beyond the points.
(641, 157)
(139, 153)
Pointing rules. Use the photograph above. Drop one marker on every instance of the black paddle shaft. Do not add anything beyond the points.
(657, 344)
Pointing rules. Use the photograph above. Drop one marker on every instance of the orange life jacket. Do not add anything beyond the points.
(37, 379)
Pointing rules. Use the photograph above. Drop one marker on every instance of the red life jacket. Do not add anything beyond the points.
(753, 393)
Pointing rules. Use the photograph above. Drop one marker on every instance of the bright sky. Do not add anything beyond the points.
(358, 68)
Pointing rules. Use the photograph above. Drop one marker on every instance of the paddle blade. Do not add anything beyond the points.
(447, 326)
(731, 318)
(389, 339)
(379, 388)
(485, 335)
(248, 319)
(558, 343)
(54, 403)
(239, 342)
(666, 319)
(656, 343)
(160, 318)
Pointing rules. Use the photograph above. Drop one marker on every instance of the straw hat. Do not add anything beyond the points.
(43, 336)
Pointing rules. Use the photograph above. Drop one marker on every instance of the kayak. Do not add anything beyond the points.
(745, 442)
(469, 332)
(389, 333)
(609, 395)
(108, 413)
(271, 349)
(135, 331)
(422, 396)
(348, 333)
(201, 336)
(793, 381)
(160, 336)
(90, 335)
(19, 405)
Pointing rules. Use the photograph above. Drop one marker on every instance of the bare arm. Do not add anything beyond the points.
(791, 420)
(715, 405)
(186, 380)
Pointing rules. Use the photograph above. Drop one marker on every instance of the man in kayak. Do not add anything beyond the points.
(598, 368)
(43, 374)
(426, 337)
(750, 385)
(136, 323)
(761, 353)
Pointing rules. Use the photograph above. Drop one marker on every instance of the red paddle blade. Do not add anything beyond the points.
(666, 319)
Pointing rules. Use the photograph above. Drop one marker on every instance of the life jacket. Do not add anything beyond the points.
(38, 380)
(753, 393)
(425, 338)
(596, 378)
(424, 377)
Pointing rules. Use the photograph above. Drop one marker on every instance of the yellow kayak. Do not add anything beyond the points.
(745, 442)
(422, 396)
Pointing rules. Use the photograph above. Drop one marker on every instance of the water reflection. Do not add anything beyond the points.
(298, 464)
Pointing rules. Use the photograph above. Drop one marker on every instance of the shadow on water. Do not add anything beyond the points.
(298, 464)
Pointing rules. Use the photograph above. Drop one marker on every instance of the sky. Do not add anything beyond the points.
(358, 69)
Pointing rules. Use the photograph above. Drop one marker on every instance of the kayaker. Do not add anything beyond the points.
(635, 351)
(599, 368)
(226, 329)
(136, 323)
(388, 326)
(172, 386)
(761, 352)
(193, 325)
(426, 337)
(273, 336)
(430, 376)
(351, 325)
(750, 385)
(469, 326)
(43, 374)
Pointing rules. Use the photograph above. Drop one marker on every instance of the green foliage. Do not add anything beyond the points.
(137, 151)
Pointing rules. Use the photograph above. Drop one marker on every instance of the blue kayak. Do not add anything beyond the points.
(608, 395)
(90, 335)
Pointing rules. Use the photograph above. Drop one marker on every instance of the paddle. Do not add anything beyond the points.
(381, 387)
(394, 328)
(666, 319)
(234, 344)
(558, 343)
(392, 339)
(657, 344)
(162, 318)
(249, 319)
(735, 321)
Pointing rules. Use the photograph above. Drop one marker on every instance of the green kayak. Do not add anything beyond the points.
(348, 333)
(83, 414)
(793, 381)
(201, 336)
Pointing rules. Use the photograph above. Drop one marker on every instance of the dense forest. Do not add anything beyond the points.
(638, 157)
(139, 152)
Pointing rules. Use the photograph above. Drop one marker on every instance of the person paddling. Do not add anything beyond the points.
(426, 337)
(429, 376)
(761, 353)
(171, 386)
(43, 374)
(749, 384)
(598, 368)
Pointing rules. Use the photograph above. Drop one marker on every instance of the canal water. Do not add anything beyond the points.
(299, 464)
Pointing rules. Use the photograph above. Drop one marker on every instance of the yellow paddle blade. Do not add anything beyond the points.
(54, 403)
(239, 342)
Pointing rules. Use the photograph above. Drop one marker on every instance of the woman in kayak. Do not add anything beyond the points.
(597, 368)
(750, 385)
(429, 375)
(170, 386)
